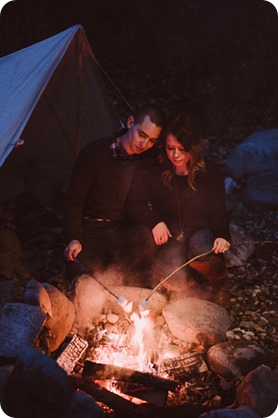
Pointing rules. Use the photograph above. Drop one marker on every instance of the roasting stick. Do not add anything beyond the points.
(143, 305)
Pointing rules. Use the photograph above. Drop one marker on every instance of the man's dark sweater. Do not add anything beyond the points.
(98, 186)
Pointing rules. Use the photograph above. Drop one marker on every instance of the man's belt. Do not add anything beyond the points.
(97, 219)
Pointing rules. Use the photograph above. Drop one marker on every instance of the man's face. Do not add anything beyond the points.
(141, 136)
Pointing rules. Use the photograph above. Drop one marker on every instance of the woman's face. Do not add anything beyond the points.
(177, 154)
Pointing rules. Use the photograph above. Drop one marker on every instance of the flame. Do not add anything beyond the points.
(130, 349)
(125, 351)
(111, 385)
(141, 325)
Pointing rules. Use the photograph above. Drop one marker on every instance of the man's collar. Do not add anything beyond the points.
(117, 149)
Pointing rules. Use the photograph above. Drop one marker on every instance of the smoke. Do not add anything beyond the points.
(186, 282)
(113, 275)
(168, 259)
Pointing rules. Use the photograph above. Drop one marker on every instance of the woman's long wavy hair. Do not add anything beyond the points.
(185, 128)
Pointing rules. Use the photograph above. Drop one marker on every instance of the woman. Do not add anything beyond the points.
(182, 201)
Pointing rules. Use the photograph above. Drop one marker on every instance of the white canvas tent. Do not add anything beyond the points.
(53, 96)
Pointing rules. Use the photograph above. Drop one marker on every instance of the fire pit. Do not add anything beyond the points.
(128, 363)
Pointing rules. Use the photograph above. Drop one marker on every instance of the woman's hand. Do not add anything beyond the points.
(220, 245)
(161, 233)
(72, 250)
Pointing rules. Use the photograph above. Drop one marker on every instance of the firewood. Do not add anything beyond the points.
(99, 371)
(127, 409)
(112, 400)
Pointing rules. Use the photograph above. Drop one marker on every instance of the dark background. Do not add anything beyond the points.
(217, 58)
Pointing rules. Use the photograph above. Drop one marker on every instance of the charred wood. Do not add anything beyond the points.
(99, 371)
(114, 401)
(126, 409)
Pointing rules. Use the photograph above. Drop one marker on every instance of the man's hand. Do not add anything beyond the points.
(220, 245)
(72, 250)
(161, 233)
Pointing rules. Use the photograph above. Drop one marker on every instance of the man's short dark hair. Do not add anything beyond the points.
(156, 115)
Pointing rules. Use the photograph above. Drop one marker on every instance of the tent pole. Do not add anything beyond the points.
(79, 109)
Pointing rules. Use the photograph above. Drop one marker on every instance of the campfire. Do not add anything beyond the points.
(134, 369)
(125, 361)
(145, 357)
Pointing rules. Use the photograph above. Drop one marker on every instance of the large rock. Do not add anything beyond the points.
(56, 327)
(259, 391)
(88, 298)
(235, 358)
(262, 189)
(197, 321)
(239, 254)
(20, 325)
(37, 387)
(257, 160)
(35, 294)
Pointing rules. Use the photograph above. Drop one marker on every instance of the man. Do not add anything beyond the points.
(96, 226)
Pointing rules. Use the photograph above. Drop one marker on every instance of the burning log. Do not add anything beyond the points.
(152, 396)
(114, 401)
(128, 409)
(99, 371)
